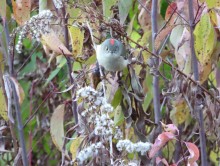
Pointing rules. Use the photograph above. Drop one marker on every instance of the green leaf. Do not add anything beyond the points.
(56, 71)
(3, 106)
(205, 39)
(124, 7)
(56, 126)
(107, 4)
(3, 10)
(118, 116)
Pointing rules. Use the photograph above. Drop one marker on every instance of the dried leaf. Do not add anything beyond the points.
(170, 128)
(160, 141)
(52, 41)
(3, 106)
(19, 90)
(77, 37)
(194, 153)
(21, 10)
(56, 126)
(163, 34)
(170, 12)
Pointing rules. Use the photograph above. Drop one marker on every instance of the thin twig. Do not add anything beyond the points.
(19, 125)
(156, 88)
(69, 65)
(196, 76)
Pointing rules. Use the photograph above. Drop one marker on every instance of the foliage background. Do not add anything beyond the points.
(43, 70)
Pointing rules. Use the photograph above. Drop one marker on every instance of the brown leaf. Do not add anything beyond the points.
(52, 41)
(21, 10)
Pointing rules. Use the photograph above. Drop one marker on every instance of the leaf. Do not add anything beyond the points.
(56, 126)
(21, 10)
(3, 106)
(19, 90)
(171, 12)
(135, 83)
(163, 160)
(118, 116)
(56, 71)
(124, 7)
(180, 112)
(205, 39)
(194, 153)
(77, 37)
(213, 3)
(107, 4)
(55, 44)
(163, 34)
(3, 10)
(160, 141)
(74, 146)
(170, 128)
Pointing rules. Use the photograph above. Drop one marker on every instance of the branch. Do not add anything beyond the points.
(196, 76)
(73, 94)
(156, 88)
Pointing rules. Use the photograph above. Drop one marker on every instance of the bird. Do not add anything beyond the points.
(111, 54)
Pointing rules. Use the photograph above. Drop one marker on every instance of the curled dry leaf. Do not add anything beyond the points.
(19, 90)
(194, 153)
(160, 141)
(170, 128)
(55, 44)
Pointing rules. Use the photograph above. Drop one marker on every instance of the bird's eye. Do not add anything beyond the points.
(106, 48)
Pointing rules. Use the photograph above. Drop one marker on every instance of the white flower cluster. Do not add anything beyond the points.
(58, 4)
(36, 26)
(88, 152)
(130, 147)
(96, 113)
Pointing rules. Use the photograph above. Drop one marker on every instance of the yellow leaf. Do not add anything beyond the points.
(205, 39)
(74, 146)
(77, 37)
(56, 126)
(3, 107)
(205, 42)
(21, 10)
(54, 43)
(180, 112)
(213, 3)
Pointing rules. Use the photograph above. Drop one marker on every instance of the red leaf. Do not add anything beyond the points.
(170, 10)
(170, 128)
(161, 140)
(194, 153)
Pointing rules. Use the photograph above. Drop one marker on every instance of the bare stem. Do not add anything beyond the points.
(19, 125)
(196, 76)
(69, 64)
(156, 100)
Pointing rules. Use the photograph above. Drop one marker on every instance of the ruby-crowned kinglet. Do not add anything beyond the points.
(111, 54)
